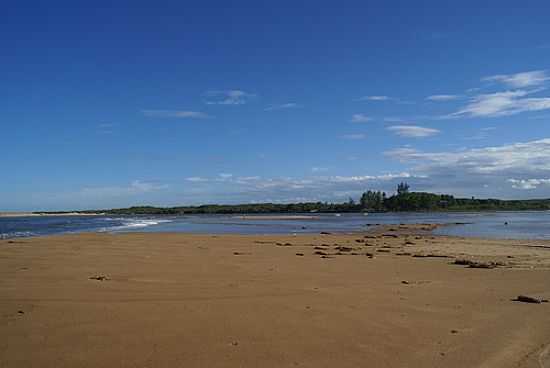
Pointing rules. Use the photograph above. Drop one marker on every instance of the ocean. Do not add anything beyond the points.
(510, 225)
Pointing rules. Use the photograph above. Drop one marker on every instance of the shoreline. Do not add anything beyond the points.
(42, 214)
(400, 297)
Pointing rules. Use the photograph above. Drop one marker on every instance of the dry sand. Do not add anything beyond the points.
(180, 300)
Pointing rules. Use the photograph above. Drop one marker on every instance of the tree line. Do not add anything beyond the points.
(370, 201)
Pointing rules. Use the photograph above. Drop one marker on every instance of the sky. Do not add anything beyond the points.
(112, 104)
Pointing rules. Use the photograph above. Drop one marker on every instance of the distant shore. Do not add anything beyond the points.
(46, 214)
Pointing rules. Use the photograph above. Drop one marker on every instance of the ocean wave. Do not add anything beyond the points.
(16, 234)
(129, 224)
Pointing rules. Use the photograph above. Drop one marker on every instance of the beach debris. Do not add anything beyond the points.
(390, 235)
(359, 240)
(320, 253)
(370, 255)
(383, 250)
(454, 331)
(343, 249)
(325, 233)
(408, 242)
(100, 278)
(327, 256)
(320, 247)
(405, 282)
(478, 264)
(529, 299)
(241, 253)
(430, 255)
(300, 254)
(20, 312)
(403, 254)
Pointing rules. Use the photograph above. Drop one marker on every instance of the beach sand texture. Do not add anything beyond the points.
(177, 300)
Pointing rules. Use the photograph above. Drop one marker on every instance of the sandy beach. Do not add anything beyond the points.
(393, 297)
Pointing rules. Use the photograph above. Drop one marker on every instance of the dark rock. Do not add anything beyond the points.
(325, 233)
(529, 299)
(100, 278)
(320, 253)
(300, 254)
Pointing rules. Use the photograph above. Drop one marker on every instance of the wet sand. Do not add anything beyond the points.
(391, 299)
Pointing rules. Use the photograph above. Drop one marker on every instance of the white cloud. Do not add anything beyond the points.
(527, 184)
(513, 160)
(196, 179)
(374, 98)
(466, 171)
(319, 169)
(289, 105)
(440, 98)
(360, 118)
(183, 114)
(413, 131)
(520, 80)
(352, 137)
(228, 97)
(502, 104)
(225, 175)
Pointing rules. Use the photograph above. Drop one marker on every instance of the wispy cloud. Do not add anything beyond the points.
(319, 169)
(502, 104)
(360, 118)
(413, 131)
(356, 136)
(287, 189)
(442, 98)
(196, 179)
(520, 80)
(182, 114)
(228, 97)
(289, 105)
(134, 188)
(374, 98)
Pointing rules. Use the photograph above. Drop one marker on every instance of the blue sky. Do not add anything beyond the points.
(169, 103)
